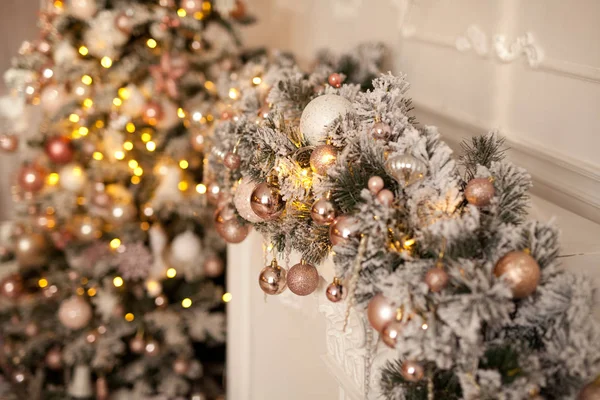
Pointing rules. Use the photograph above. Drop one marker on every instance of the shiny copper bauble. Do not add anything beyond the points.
(436, 279)
(322, 212)
(381, 131)
(342, 230)
(590, 391)
(152, 113)
(213, 266)
(389, 334)
(75, 313)
(322, 158)
(335, 80)
(266, 202)
(137, 345)
(380, 312)
(272, 279)
(32, 250)
(412, 371)
(232, 161)
(335, 291)
(11, 287)
(31, 178)
(521, 271)
(9, 143)
(53, 359)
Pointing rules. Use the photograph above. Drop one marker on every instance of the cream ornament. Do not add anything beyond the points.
(82, 9)
(72, 177)
(319, 114)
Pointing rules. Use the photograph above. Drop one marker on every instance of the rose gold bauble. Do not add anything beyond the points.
(335, 80)
(322, 158)
(124, 23)
(11, 287)
(412, 371)
(480, 192)
(375, 184)
(9, 143)
(91, 337)
(241, 200)
(152, 113)
(32, 329)
(335, 291)
(389, 334)
(239, 12)
(31, 250)
(191, 6)
(44, 47)
(264, 111)
(181, 366)
(233, 231)
(590, 391)
(31, 178)
(303, 279)
(53, 359)
(137, 345)
(342, 230)
(322, 212)
(232, 161)
(75, 313)
(213, 193)
(213, 266)
(385, 197)
(266, 202)
(381, 131)
(436, 279)
(59, 150)
(380, 312)
(152, 348)
(272, 279)
(521, 271)
(197, 141)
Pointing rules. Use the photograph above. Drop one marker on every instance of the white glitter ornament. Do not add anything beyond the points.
(319, 114)
(72, 177)
(102, 38)
(82, 9)
(241, 200)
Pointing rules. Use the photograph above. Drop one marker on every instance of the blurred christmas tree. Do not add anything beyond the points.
(112, 273)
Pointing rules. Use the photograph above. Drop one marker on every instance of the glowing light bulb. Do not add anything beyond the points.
(118, 281)
(84, 51)
(227, 297)
(115, 243)
(106, 62)
(87, 80)
(186, 303)
(171, 273)
(151, 43)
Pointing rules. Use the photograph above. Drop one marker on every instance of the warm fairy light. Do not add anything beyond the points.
(53, 179)
(408, 243)
(201, 188)
(74, 118)
(210, 118)
(145, 226)
(257, 80)
(84, 51)
(133, 164)
(186, 303)
(130, 127)
(184, 164)
(180, 113)
(129, 317)
(119, 154)
(43, 283)
(135, 180)
(209, 85)
(424, 327)
(183, 186)
(128, 146)
(87, 80)
(83, 131)
(88, 103)
(47, 73)
(80, 200)
(151, 146)
(146, 137)
(151, 43)
(138, 171)
(182, 13)
(199, 15)
(115, 243)
(234, 93)
(58, 3)
(98, 156)
(171, 273)
(106, 62)
(206, 6)
(80, 291)
(117, 102)
(91, 292)
(227, 297)
(197, 116)
(118, 281)
(99, 124)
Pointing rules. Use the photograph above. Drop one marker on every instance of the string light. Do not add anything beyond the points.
(43, 283)
(135, 180)
(197, 116)
(182, 13)
(99, 124)
(91, 292)
(209, 85)
(151, 146)
(74, 118)
(130, 127)
(227, 297)
(119, 155)
(171, 273)
(118, 281)
(128, 146)
(80, 291)
(180, 113)
(257, 80)
(133, 164)
(98, 156)
(129, 317)
(106, 62)
(201, 188)
(146, 137)
(88, 103)
(115, 243)
(53, 179)
(145, 226)
(87, 80)
(151, 43)
(84, 51)
(124, 93)
(138, 171)
(83, 131)
(117, 102)
(184, 164)
(183, 186)
(233, 93)
(186, 303)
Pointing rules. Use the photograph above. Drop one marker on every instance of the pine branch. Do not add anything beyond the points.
(482, 150)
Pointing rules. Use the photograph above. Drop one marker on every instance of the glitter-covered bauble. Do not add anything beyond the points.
(272, 279)
(303, 279)
(53, 359)
(32, 250)
(124, 23)
(75, 313)
(412, 371)
(137, 345)
(389, 334)
(72, 177)
(11, 287)
(480, 192)
(59, 150)
(436, 279)
(213, 266)
(375, 184)
(86, 228)
(335, 291)
(521, 271)
(319, 114)
(82, 91)
(342, 230)
(406, 169)
(9, 143)
(82, 9)
(181, 366)
(385, 197)
(152, 348)
(233, 231)
(197, 141)
(381, 131)
(152, 112)
(266, 202)
(323, 212)
(335, 80)
(191, 6)
(380, 312)
(590, 391)
(232, 161)
(322, 158)
(31, 178)
(241, 200)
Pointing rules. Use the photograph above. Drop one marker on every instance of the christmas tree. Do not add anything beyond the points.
(112, 271)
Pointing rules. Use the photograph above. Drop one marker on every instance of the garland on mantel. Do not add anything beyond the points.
(437, 252)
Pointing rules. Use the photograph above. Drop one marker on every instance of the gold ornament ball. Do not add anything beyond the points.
(322, 212)
(406, 169)
(436, 279)
(266, 202)
(480, 192)
(380, 312)
(521, 271)
(303, 279)
(137, 345)
(32, 250)
(389, 334)
(590, 391)
(335, 291)
(272, 279)
(322, 158)
(342, 230)
(412, 371)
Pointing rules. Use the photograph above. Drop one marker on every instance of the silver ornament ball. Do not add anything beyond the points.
(406, 169)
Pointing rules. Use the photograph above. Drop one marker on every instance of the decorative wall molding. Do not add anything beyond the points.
(569, 183)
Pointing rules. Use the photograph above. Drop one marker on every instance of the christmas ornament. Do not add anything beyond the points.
(81, 383)
(266, 202)
(232, 161)
(391, 331)
(75, 313)
(239, 11)
(319, 114)
(72, 177)
(82, 9)
(322, 212)
(52, 98)
(213, 193)
(406, 169)
(375, 184)
(272, 279)
(232, 231)
(53, 359)
(302, 279)
(186, 248)
(412, 371)
(342, 230)
(31, 178)
(322, 158)
(385, 197)
(64, 53)
(19, 376)
(152, 348)
(380, 312)
(9, 143)
(521, 271)
(59, 150)
(480, 192)
(137, 345)
(91, 337)
(181, 366)
(336, 292)
(241, 200)
(31, 250)
(335, 80)
(43, 46)
(191, 6)
(101, 389)
(213, 266)
(11, 287)
(153, 287)
(101, 38)
(197, 140)
(134, 261)
(436, 279)
(152, 112)
(124, 23)
(590, 391)
(167, 74)
(381, 131)
(81, 90)
(31, 329)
